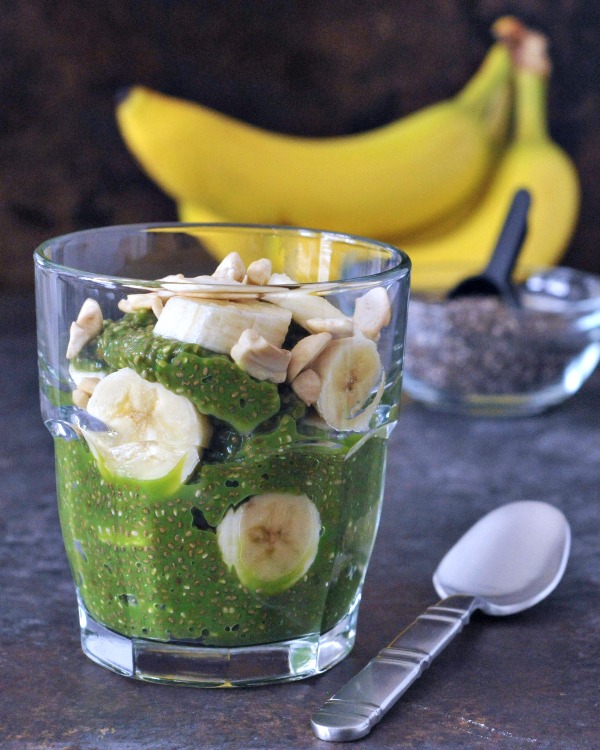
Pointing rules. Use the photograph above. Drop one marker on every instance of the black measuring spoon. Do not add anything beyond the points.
(495, 279)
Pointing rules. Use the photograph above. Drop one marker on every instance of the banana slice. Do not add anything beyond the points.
(155, 435)
(352, 381)
(138, 410)
(271, 540)
(218, 324)
(159, 468)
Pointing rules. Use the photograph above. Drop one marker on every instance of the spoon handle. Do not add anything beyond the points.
(510, 240)
(355, 709)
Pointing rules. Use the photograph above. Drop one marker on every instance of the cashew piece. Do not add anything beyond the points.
(307, 386)
(280, 279)
(305, 351)
(372, 312)
(337, 327)
(259, 272)
(87, 326)
(87, 385)
(259, 358)
(80, 398)
(231, 267)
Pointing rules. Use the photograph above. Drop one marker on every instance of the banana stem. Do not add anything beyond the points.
(531, 106)
(529, 54)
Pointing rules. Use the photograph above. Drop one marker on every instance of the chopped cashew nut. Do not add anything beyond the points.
(373, 312)
(90, 317)
(259, 272)
(305, 351)
(337, 327)
(256, 356)
(137, 302)
(173, 277)
(307, 386)
(87, 385)
(157, 306)
(231, 267)
(280, 279)
(78, 338)
(87, 326)
(80, 398)
(179, 284)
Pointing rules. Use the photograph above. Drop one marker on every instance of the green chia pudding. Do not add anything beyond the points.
(232, 496)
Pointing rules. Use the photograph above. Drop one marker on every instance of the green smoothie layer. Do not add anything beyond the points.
(225, 496)
(212, 382)
(152, 568)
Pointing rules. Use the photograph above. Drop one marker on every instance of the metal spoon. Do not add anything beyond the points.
(511, 559)
(495, 279)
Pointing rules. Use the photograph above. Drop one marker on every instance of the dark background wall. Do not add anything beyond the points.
(309, 67)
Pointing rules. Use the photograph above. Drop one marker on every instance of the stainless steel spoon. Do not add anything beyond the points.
(511, 559)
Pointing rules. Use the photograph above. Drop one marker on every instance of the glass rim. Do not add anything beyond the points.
(397, 272)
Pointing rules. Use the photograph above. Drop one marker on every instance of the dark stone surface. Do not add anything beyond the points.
(304, 67)
(530, 680)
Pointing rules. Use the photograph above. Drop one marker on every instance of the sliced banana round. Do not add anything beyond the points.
(137, 409)
(218, 324)
(154, 433)
(271, 540)
(158, 467)
(352, 381)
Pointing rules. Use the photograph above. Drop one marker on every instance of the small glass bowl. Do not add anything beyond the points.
(483, 356)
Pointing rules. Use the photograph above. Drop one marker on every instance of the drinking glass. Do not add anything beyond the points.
(220, 399)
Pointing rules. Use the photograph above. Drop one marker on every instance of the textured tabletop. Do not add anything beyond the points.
(530, 680)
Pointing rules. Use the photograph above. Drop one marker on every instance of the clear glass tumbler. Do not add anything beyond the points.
(220, 398)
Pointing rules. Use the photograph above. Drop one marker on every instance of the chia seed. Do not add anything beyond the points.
(482, 346)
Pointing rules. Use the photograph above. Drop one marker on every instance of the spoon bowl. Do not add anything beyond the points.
(511, 559)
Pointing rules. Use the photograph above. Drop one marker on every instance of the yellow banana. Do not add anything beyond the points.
(532, 161)
(387, 180)
(196, 213)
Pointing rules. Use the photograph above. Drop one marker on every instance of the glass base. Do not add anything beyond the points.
(201, 666)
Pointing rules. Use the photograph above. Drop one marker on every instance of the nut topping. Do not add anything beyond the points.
(305, 351)
(231, 267)
(259, 272)
(259, 358)
(373, 312)
(307, 386)
(87, 326)
(337, 327)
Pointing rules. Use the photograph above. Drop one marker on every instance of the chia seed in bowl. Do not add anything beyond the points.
(480, 355)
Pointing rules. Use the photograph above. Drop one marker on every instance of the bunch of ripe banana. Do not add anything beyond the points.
(436, 183)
